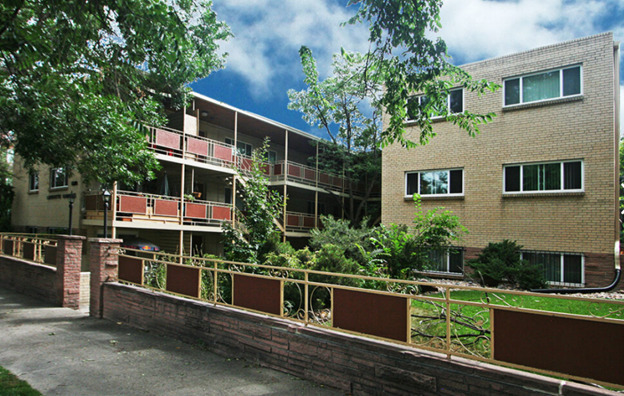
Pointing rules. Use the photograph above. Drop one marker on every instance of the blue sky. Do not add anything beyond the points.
(263, 61)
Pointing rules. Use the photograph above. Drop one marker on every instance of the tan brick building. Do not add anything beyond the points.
(544, 172)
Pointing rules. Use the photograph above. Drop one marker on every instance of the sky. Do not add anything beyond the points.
(263, 56)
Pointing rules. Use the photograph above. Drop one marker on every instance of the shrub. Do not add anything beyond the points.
(339, 233)
(499, 262)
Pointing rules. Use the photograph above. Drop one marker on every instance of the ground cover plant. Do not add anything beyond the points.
(10, 385)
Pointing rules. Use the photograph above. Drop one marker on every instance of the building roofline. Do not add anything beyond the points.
(257, 117)
(501, 57)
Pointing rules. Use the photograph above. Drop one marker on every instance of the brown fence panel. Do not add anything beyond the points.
(257, 293)
(578, 347)
(183, 280)
(164, 207)
(131, 269)
(28, 250)
(7, 247)
(132, 204)
(370, 313)
(49, 255)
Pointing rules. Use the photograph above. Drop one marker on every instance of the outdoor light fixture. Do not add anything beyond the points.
(106, 196)
(71, 210)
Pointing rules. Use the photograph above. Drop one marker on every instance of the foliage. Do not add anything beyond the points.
(340, 233)
(621, 188)
(11, 385)
(345, 106)
(249, 241)
(401, 254)
(405, 59)
(499, 262)
(6, 201)
(155, 273)
(79, 80)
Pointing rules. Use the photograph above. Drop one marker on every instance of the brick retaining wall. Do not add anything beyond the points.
(353, 364)
(26, 277)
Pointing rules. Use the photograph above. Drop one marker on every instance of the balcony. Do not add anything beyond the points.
(306, 175)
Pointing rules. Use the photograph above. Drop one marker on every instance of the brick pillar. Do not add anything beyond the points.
(68, 264)
(103, 262)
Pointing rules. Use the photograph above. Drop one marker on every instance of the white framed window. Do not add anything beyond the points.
(272, 156)
(447, 261)
(454, 104)
(242, 147)
(58, 178)
(543, 86)
(547, 177)
(33, 181)
(445, 182)
(559, 268)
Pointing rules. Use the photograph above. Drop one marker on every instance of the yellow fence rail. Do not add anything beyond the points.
(39, 248)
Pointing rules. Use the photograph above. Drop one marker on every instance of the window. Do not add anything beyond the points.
(558, 267)
(33, 181)
(58, 178)
(438, 182)
(536, 87)
(451, 260)
(242, 147)
(272, 156)
(547, 177)
(454, 104)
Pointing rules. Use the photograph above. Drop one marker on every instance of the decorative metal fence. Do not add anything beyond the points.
(38, 248)
(483, 324)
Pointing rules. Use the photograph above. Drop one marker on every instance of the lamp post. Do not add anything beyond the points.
(71, 210)
(106, 195)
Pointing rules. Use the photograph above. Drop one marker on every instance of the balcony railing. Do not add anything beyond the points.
(306, 175)
(39, 248)
(299, 221)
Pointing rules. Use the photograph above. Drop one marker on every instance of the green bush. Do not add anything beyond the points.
(500, 262)
(339, 233)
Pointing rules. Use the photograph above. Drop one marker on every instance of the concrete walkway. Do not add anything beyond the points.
(60, 351)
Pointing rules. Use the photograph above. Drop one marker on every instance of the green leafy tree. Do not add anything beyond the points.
(257, 231)
(405, 60)
(345, 106)
(80, 79)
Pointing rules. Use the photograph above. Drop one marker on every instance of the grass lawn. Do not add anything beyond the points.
(10, 385)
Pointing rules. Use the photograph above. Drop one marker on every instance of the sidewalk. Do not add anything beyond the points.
(60, 351)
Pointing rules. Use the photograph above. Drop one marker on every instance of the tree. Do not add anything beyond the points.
(257, 230)
(79, 80)
(407, 61)
(345, 106)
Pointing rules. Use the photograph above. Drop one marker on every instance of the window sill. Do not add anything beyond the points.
(542, 103)
(32, 192)
(544, 194)
(433, 120)
(435, 197)
(54, 189)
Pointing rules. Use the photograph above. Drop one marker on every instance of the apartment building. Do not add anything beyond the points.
(201, 150)
(544, 172)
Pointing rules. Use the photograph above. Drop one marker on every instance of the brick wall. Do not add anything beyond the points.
(29, 278)
(582, 128)
(352, 364)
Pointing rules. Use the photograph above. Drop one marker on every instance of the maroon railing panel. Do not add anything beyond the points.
(309, 174)
(294, 170)
(7, 247)
(183, 280)
(130, 204)
(28, 250)
(257, 293)
(277, 169)
(337, 181)
(266, 169)
(49, 255)
(197, 211)
(94, 202)
(167, 139)
(221, 213)
(164, 207)
(197, 146)
(292, 220)
(369, 313)
(131, 269)
(308, 222)
(324, 178)
(577, 347)
(245, 164)
(223, 153)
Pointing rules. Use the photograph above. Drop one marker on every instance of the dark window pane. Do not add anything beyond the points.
(427, 183)
(572, 81)
(552, 176)
(572, 175)
(412, 108)
(457, 177)
(551, 264)
(456, 99)
(572, 268)
(530, 174)
(512, 91)
(456, 261)
(512, 178)
(412, 184)
(437, 260)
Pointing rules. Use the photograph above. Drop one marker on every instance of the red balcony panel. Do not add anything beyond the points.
(163, 207)
(308, 222)
(221, 213)
(167, 139)
(183, 280)
(223, 153)
(245, 164)
(197, 146)
(130, 204)
(324, 178)
(292, 220)
(194, 210)
(294, 170)
(337, 181)
(277, 169)
(309, 174)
